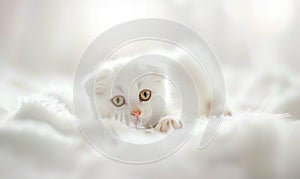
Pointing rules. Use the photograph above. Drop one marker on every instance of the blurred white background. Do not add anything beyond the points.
(38, 38)
(42, 36)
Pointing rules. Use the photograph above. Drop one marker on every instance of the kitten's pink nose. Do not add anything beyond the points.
(136, 113)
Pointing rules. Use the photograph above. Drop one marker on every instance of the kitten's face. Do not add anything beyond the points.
(139, 103)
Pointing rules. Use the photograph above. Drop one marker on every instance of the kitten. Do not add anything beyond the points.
(142, 107)
(152, 102)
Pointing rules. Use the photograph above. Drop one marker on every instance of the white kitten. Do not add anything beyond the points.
(151, 102)
(136, 102)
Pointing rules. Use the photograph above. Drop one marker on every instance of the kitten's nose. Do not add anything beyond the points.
(136, 113)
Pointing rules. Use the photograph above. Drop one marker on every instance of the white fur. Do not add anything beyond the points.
(250, 145)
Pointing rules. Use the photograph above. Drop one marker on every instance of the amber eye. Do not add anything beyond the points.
(145, 95)
(118, 100)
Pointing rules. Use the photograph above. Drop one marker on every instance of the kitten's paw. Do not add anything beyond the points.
(167, 124)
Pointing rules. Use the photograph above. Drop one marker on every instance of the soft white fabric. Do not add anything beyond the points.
(39, 138)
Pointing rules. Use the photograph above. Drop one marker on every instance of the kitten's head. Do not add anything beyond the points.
(136, 101)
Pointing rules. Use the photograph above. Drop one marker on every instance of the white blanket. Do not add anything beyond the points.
(39, 137)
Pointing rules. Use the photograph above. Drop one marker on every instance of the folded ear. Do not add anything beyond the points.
(102, 81)
(96, 83)
(88, 84)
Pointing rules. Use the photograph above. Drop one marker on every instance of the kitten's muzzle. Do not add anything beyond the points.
(136, 113)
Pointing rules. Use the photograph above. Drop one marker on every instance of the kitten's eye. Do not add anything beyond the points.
(145, 95)
(118, 101)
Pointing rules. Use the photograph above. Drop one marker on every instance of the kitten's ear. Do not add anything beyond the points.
(87, 83)
(101, 82)
(96, 82)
